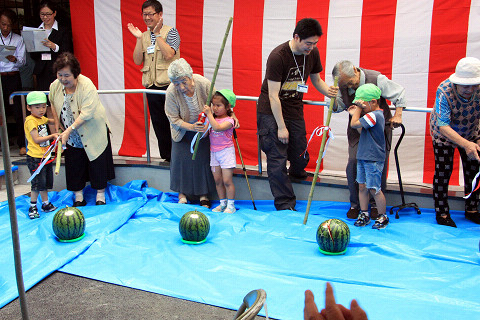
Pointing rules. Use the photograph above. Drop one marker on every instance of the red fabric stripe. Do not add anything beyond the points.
(189, 23)
(447, 46)
(319, 11)
(133, 143)
(83, 29)
(377, 36)
(247, 66)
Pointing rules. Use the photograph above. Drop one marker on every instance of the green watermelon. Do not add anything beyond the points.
(333, 236)
(194, 227)
(69, 224)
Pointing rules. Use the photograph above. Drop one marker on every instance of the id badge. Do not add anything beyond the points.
(46, 56)
(151, 49)
(301, 87)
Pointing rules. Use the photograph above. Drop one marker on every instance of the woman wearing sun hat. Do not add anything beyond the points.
(455, 124)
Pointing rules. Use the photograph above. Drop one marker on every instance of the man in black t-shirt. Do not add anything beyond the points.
(280, 120)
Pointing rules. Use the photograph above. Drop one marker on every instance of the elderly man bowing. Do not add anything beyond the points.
(350, 78)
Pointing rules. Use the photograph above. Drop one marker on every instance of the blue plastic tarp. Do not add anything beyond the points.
(413, 269)
(41, 252)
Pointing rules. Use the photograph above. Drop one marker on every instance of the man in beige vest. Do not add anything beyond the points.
(156, 48)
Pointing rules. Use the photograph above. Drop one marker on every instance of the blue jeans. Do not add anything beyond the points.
(370, 173)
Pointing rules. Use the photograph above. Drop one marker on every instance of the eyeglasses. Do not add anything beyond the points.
(46, 14)
(149, 15)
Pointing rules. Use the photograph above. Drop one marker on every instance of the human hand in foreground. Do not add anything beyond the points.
(332, 311)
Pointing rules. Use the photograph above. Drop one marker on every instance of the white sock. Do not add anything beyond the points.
(231, 203)
(45, 202)
(223, 202)
(33, 204)
(79, 195)
(101, 195)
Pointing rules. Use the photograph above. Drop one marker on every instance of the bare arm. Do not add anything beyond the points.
(138, 51)
(322, 87)
(275, 104)
(355, 112)
(37, 139)
(215, 125)
(167, 51)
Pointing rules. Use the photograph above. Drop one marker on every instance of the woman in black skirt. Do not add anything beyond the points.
(77, 109)
(184, 102)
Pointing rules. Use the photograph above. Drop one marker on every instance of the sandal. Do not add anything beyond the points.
(182, 200)
(205, 203)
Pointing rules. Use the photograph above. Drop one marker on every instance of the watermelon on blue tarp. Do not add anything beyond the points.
(333, 236)
(194, 227)
(69, 224)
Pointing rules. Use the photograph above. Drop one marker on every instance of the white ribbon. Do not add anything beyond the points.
(318, 131)
(194, 140)
(474, 183)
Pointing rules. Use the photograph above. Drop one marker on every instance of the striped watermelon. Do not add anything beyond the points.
(333, 236)
(194, 227)
(69, 224)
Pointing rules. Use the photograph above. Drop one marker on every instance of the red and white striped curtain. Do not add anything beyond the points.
(415, 43)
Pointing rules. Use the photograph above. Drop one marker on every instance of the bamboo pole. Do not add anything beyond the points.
(320, 154)
(59, 157)
(213, 79)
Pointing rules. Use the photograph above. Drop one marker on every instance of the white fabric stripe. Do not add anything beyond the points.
(215, 22)
(169, 14)
(370, 119)
(108, 32)
(279, 19)
(473, 41)
(410, 65)
(343, 43)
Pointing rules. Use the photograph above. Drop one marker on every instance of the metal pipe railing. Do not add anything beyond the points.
(22, 94)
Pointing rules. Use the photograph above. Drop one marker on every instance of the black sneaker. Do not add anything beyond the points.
(381, 222)
(298, 175)
(352, 213)
(80, 203)
(473, 216)
(446, 221)
(363, 220)
(49, 207)
(33, 212)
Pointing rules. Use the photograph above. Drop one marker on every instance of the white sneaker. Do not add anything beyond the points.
(229, 210)
(219, 208)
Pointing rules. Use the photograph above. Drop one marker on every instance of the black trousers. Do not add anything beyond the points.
(443, 171)
(161, 125)
(277, 155)
(12, 83)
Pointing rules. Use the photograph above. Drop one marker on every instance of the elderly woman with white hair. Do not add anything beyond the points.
(455, 124)
(184, 102)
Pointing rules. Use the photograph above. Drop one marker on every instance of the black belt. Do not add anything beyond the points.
(11, 73)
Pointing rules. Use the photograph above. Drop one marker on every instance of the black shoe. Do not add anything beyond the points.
(33, 212)
(473, 216)
(445, 221)
(100, 203)
(352, 213)
(82, 203)
(49, 207)
(298, 175)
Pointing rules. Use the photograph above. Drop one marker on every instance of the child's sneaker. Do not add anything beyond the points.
(33, 212)
(219, 208)
(49, 207)
(381, 222)
(230, 210)
(363, 220)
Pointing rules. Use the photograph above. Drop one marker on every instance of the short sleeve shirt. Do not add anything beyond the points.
(371, 146)
(281, 67)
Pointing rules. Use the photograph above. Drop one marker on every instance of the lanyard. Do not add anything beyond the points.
(11, 35)
(301, 75)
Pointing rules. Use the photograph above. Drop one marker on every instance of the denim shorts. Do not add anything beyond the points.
(370, 173)
(44, 179)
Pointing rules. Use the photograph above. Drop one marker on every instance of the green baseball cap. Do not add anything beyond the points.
(367, 92)
(229, 95)
(36, 97)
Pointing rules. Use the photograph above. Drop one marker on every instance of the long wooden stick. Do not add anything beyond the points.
(213, 80)
(320, 154)
(59, 157)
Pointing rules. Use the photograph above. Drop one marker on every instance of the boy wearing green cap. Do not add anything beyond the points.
(367, 117)
(222, 151)
(36, 132)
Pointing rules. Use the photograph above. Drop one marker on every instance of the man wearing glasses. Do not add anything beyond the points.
(156, 48)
